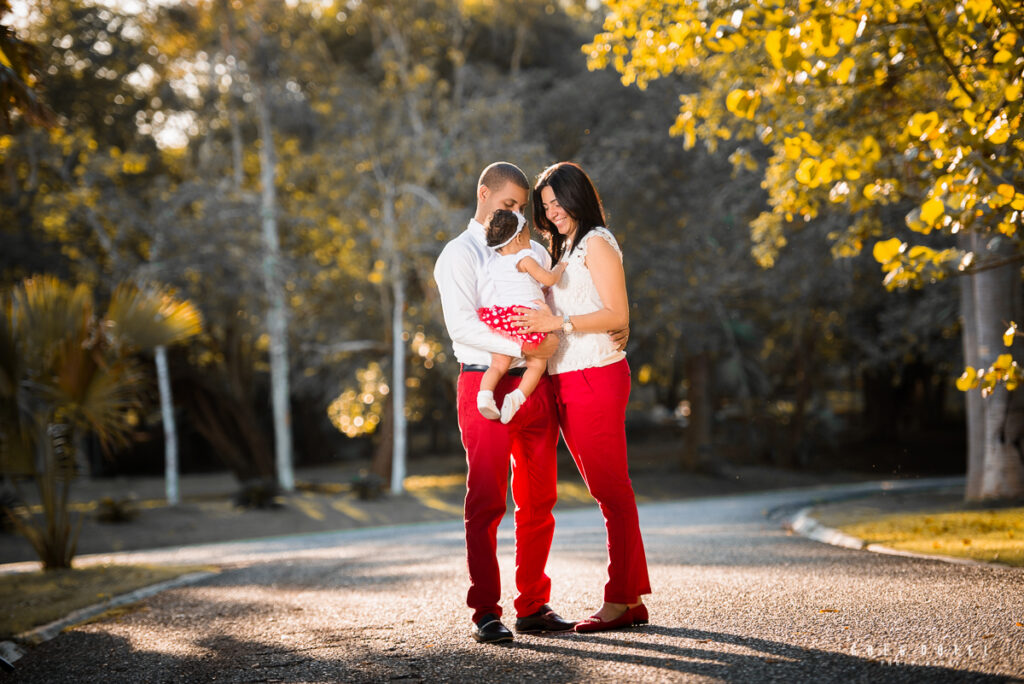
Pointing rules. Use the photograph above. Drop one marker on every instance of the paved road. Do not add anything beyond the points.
(736, 599)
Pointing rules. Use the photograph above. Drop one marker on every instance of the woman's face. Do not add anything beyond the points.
(554, 212)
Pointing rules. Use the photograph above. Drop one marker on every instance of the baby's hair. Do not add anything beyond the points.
(501, 226)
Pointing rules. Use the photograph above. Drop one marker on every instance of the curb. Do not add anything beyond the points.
(804, 524)
(12, 650)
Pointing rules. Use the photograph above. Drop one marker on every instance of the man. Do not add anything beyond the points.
(529, 440)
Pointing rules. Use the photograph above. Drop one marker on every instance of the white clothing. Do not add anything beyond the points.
(575, 294)
(511, 286)
(461, 276)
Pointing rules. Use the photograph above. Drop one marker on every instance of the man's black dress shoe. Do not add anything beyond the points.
(489, 630)
(544, 620)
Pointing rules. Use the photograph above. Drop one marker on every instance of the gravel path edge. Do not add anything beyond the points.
(13, 649)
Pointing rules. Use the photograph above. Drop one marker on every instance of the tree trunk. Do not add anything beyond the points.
(698, 452)
(398, 383)
(518, 48)
(397, 346)
(277, 323)
(457, 57)
(237, 158)
(383, 455)
(975, 405)
(170, 428)
(791, 457)
(995, 295)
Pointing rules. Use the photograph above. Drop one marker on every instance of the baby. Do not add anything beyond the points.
(517, 280)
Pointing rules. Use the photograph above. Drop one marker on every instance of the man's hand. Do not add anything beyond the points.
(620, 337)
(544, 350)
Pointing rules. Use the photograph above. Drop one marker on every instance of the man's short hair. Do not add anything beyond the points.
(497, 174)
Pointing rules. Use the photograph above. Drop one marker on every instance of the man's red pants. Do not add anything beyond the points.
(529, 441)
(592, 413)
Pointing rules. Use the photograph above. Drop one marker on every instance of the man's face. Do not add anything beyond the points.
(509, 196)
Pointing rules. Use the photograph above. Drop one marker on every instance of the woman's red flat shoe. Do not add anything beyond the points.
(640, 615)
(596, 624)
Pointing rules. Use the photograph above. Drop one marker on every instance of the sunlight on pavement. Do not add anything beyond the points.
(348, 509)
(308, 507)
(415, 483)
(431, 501)
(427, 488)
(573, 491)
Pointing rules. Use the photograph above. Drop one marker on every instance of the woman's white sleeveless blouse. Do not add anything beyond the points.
(575, 294)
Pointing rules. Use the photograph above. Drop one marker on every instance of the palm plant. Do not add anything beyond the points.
(65, 371)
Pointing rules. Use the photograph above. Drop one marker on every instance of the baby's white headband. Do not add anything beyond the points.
(521, 220)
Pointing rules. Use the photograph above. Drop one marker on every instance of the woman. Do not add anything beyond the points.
(591, 376)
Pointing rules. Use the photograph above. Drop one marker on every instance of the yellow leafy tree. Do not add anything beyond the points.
(872, 109)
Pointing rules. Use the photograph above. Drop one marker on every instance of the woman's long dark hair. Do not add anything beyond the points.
(578, 197)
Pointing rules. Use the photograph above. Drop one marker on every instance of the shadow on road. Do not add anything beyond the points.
(734, 658)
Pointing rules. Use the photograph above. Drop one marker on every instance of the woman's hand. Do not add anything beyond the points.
(537, 320)
(620, 337)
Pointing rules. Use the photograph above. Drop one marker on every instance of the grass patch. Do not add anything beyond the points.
(987, 535)
(31, 599)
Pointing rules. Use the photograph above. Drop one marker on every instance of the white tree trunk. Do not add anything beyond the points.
(398, 382)
(170, 428)
(398, 452)
(277, 321)
(1003, 474)
(237, 153)
(975, 405)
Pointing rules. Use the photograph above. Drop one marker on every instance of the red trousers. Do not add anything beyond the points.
(529, 441)
(592, 414)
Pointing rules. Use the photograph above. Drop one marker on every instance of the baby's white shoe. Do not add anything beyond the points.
(485, 404)
(513, 402)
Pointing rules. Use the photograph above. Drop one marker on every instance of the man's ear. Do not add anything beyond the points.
(482, 192)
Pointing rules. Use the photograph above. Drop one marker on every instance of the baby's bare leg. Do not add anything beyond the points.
(496, 371)
(531, 378)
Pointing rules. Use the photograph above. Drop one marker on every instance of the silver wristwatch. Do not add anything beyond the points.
(567, 326)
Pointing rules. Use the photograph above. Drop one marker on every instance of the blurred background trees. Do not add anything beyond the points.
(897, 120)
(380, 116)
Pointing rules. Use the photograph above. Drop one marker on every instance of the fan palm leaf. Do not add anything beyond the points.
(146, 318)
(102, 400)
(45, 313)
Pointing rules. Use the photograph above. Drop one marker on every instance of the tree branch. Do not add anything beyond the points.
(945, 58)
(991, 264)
(424, 194)
(344, 347)
(1009, 17)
